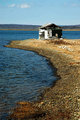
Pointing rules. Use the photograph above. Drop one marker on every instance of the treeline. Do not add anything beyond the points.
(15, 26)
(71, 27)
(33, 27)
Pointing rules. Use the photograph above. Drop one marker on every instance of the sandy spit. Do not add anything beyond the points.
(62, 100)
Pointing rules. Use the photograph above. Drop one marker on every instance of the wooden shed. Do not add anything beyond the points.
(50, 31)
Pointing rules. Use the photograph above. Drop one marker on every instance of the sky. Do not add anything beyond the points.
(39, 12)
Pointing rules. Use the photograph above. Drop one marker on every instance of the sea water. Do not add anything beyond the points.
(23, 74)
(71, 34)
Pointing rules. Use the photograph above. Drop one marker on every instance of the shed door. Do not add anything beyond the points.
(46, 34)
(50, 33)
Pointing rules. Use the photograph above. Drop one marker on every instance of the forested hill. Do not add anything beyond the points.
(32, 27)
(70, 27)
(15, 26)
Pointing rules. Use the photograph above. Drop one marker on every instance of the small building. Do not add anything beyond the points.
(50, 31)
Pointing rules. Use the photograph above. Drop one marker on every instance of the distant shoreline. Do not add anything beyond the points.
(38, 30)
(21, 29)
(71, 29)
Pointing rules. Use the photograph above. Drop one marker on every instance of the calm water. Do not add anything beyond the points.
(71, 34)
(23, 74)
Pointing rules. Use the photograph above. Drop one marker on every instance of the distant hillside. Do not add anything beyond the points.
(15, 26)
(33, 27)
(70, 27)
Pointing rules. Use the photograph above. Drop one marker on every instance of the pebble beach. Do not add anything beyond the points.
(62, 100)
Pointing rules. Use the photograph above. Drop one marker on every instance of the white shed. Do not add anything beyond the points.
(49, 31)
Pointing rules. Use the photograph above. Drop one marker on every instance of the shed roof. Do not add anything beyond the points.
(49, 25)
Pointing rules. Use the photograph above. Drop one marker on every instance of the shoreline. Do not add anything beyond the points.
(71, 29)
(38, 30)
(21, 29)
(62, 100)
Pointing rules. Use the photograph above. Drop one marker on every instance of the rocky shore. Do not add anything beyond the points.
(62, 100)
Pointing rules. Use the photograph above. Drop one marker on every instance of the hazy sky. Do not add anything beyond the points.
(60, 12)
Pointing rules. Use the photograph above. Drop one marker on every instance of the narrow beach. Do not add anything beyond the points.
(62, 100)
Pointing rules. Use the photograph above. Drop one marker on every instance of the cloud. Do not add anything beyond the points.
(75, 5)
(24, 6)
(19, 6)
(12, 5)
(71, 5)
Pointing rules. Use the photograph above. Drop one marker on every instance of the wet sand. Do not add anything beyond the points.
(62, 100)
